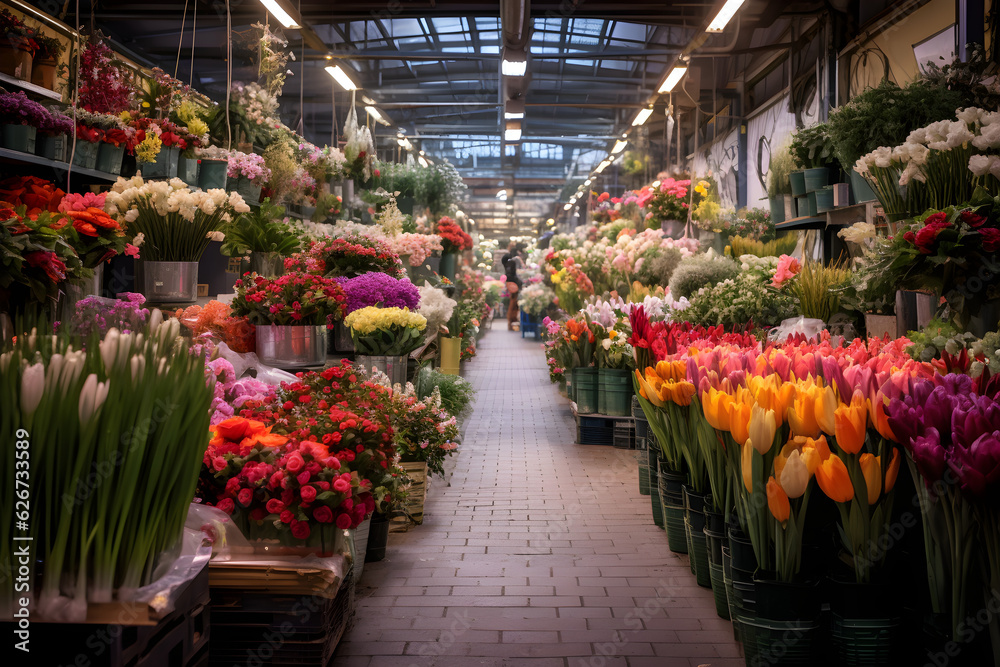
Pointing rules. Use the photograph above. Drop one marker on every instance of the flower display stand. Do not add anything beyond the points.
(143, 637)
(259, 597)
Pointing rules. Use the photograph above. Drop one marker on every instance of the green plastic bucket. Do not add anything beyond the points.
(811, 203)
(780, 643)
(85, 154)
(798, 180)
(585, 386)
(654, 491)
(165, 165)
(719, 590)
(777, 206)
(816, 178)
(672, 498)
(20, 138)
(614, 392)
(212, 174)
(109, 158)
(824, 199)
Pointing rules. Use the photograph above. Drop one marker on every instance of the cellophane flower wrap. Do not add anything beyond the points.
(386, 331)
(292, 299)
(379, 289)
(215, 319)
(103, 401)
(176, 223)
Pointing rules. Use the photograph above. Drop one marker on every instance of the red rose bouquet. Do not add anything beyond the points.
(453, 238)
(294, 298)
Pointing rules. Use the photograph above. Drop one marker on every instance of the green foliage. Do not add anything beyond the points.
(745, 298)
(812, 147)
(782, 164)
(457, 393)
(397, 177)
(699, 271)
(775, 248)
(885, 115)
(440, 188)
(815, 287)
(659, 266)
(261, 230)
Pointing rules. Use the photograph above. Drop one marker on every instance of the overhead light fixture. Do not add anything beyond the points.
(588, 181)
(513, 115)
(502, 195)
(513, 109)
(673, 78)
(422, 160)
(642, 116)
(284, 18)
(341, 77)
(373, 112)
(514, 63)
(725, 14)
(405, 143)
(601, 167)
(619, 146)
(512, 131)
(567, 207)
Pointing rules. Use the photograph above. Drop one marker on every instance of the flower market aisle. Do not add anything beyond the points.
(540, 552)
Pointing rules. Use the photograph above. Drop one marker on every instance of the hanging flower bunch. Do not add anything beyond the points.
(453, 238)
(294, 298)
(106, 85)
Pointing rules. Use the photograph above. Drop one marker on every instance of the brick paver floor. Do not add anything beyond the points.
(539, 552)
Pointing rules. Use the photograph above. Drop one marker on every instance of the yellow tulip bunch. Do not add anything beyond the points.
(368, 320)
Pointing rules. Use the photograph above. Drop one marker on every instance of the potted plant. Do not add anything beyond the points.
(247, 175)
(111, 150)
(779, 185)
(384, 337)
(170, 223)
(51, 137)
(292, 314)
(20, 118)
(812, 151)
(454, 240)
(263, 235)
(18, 46)
(158, 148)
(373, 289)
(46, 60)
(90, 131)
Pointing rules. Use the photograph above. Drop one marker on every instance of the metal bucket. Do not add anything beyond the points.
(170, 282)
(394, 367)
(291, 346)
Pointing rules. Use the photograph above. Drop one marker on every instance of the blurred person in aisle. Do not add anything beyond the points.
(511, 263)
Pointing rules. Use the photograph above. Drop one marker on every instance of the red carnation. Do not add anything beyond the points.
(300, 530)
(245, 497)
(991, 239)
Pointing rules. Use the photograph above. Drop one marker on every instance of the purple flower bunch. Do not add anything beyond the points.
(56, 123)
(379, 289)
(17, 109)
(946, 426)
(95, 313)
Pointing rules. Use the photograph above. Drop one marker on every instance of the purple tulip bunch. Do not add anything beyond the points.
(379, 289)
(945, 426)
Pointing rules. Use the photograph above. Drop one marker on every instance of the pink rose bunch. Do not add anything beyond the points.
(788, 268)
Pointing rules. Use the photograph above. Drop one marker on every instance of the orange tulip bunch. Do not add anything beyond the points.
(666, 394)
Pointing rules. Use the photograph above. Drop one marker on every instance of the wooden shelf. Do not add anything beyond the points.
(7, 155)
(28, 87)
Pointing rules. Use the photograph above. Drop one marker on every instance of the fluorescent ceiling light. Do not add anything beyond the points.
(502, 195)
(513, 67)
(673, 78)
(601, 167)
(341, 77)
(588, 181)
(405, 143)
(373, 112)
(727, 12)
(619, 146)
(512, 134)
(513, 115)
(567, 207)
(642, 117)
(283, 17)
(422, 160)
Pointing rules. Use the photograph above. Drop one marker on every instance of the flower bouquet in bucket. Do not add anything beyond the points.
(386, 331)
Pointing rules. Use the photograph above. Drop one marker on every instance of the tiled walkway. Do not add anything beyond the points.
(540, 552)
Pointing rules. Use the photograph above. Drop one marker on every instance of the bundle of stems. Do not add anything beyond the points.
(116, 433)
(774, 248)
(815, 287)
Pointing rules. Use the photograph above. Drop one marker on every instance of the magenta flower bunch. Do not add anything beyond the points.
(379, 289)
